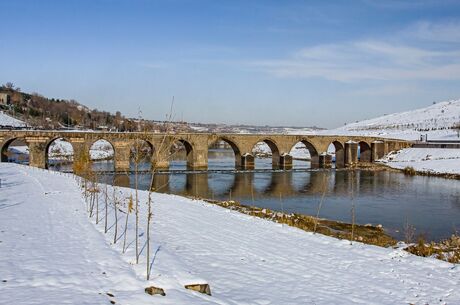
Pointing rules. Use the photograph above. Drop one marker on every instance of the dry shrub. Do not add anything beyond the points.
(446, 250)
(409, 170)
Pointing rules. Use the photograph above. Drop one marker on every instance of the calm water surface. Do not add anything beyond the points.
(430, 204)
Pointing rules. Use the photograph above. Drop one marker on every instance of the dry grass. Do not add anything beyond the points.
(409, 170)
(446, 250)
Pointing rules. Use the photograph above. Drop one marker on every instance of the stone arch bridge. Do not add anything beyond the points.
(196, 144)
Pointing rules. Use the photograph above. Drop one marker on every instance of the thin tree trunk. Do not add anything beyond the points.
(106, 206)
(325, 180)
(149, 217)
(116, 217)
(91, 203)
(137, 212)
(352, 207)
(126, 227)
(97, 206)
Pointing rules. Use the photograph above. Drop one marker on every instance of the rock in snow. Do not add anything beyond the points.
(52, 253)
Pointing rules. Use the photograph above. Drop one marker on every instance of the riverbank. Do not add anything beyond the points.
(441, 162)
(368, 234)
(53, 253)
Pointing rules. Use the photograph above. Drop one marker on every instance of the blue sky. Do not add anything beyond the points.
(297, 63)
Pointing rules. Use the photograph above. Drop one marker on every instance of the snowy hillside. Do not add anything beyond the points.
(435, 120)
(8, 121)
(435, 117)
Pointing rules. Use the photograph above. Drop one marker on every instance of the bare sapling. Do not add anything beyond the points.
(91, 200)
(409, 232)
(352, 207)
(149, 217)
(282, 207)
(136, 171)
(106, 201)
(93, 197)
(128, 210)
(96, 198)
(320, 205)
(162, 150)
(115, 208)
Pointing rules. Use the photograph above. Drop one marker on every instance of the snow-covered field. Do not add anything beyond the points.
(430, 160)
(52, 253)
(9, 121)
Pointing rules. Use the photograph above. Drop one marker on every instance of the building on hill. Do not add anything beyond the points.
(5, 99)
(8, 97)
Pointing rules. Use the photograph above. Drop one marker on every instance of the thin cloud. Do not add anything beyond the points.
(435, 32)
(366, 60)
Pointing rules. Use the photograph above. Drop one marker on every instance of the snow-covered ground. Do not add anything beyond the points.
(52, 253)
(430, 160)
(9, 121)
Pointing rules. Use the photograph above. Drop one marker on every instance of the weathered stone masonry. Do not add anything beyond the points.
(196, 144)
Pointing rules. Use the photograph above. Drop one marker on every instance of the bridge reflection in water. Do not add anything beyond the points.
(244, 185)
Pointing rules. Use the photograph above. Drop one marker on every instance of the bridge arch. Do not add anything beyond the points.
(102, 153)
(17, 155)
(365, 152)
(259, 150)
(62, 152)
(177, 153)
(141, 154)
(233, 146)
(338, 149)
(314, 155)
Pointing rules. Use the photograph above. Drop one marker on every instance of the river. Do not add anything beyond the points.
(430, 204)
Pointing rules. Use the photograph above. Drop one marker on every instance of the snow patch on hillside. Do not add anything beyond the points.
(435, 117)
(9, 121)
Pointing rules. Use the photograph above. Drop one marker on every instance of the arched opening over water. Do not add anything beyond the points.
(266, 154)
(337, 151)
(15, 150)
(59, 155)
(364, 152)
(102, 155)
(304, 155)
(223, 154)
(140, 155)
(180, 155)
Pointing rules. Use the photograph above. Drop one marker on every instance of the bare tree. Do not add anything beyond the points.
(162, 150)
(115, 208)
(128, 210)
(320, 205)
(352, 206)
(106, 201)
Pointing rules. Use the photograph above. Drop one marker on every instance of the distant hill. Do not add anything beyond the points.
(42, 112)
(439, 116)
(438, 121)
